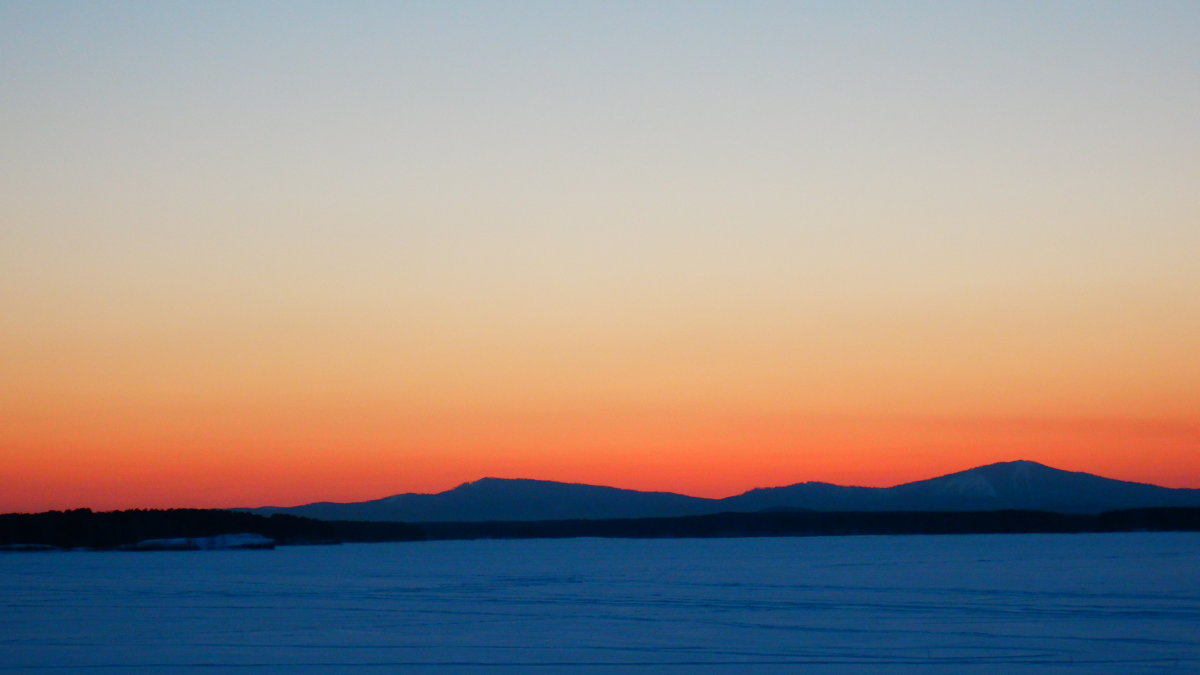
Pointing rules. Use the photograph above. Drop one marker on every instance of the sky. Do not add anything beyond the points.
(282, 252)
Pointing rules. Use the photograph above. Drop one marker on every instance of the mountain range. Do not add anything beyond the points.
(1020, 484)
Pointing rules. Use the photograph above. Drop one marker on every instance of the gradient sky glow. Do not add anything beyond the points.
(275, 253)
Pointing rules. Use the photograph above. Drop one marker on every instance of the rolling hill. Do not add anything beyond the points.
(508, 499)
(1021, 484)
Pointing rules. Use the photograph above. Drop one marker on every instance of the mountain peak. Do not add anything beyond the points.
(1016, 465)
(488, 481)
(1019, 469)
(1017, 484)
(493, 484)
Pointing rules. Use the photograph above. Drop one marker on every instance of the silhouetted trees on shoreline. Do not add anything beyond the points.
(83, 528)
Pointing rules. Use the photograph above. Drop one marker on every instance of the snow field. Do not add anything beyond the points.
(1108, 603)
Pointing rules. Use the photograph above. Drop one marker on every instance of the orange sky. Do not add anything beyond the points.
(279, 254)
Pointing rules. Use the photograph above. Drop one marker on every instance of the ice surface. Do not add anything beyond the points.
(220, 541)
(1109, 603)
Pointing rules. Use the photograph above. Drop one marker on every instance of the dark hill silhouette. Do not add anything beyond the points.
(508, 499)
(1020, 485)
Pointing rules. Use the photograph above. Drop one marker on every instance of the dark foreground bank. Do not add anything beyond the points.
(83, 528)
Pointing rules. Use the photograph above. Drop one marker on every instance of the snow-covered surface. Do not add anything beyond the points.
(218, 542)
(28, 547)
(1111, 603)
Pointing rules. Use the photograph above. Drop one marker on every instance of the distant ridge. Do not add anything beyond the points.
(1022, 485)
(508, 499)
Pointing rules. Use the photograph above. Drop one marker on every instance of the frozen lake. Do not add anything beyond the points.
(1107, 603)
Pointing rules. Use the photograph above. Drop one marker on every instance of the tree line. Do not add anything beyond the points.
(83, 528)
